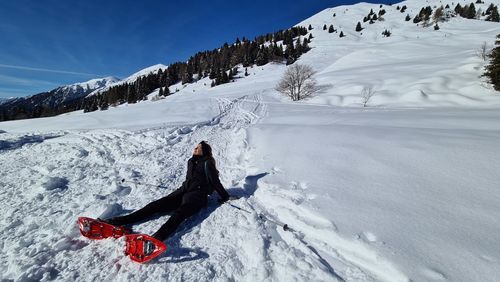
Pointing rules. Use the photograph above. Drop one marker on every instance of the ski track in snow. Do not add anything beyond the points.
(68, 174)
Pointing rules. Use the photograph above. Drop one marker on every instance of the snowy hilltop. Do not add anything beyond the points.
(401, 187)
(132, 78)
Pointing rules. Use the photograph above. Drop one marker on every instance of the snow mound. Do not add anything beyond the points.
(55, 183)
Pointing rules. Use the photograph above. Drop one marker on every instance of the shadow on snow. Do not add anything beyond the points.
(16, 144)
(176, 253)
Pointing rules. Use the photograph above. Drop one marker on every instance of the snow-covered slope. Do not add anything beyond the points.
(405, 189)
(415, 66)
(132, 78)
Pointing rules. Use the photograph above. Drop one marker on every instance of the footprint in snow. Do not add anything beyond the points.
(367, 237)
(433, 274)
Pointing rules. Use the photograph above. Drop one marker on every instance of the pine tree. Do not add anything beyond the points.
(427, 12)
(408, 18)
(224, 78)
(489, 9)
(436, 27)
(358, 27)
(161, 92)
(331, 29)
(458, 9)
(246, 72)
(465, 11)
(188, 75)
(305, 46)
(324, 27)
(493, 17)
(341, 34)
(310, 27)
(438, 14)
(471, 12)
(200, 74)
(493, 69)
(262, 57)
(290, 54)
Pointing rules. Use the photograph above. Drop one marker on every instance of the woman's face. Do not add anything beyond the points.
(197, 150)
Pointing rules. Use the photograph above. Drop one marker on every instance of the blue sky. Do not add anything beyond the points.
(45, 44)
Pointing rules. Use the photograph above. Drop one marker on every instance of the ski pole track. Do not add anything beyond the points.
(79, 173)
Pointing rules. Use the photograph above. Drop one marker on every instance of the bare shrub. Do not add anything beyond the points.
(482, 52)
(156, 98)
(366, 94)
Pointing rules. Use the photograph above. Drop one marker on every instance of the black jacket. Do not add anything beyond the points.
(198, 180)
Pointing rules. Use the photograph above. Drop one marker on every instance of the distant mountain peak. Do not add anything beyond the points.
(92, 84)
(133, 77)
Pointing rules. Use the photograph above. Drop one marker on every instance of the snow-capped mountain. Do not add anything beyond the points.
(58, 100)
(132, 78)
(78, 90)
(3, 100)
(405, 189)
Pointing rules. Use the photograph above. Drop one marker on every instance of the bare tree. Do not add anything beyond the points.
(482, 52)
(297, 82)
(366, 94)
(479, 13)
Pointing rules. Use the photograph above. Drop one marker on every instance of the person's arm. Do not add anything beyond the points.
(215, 181)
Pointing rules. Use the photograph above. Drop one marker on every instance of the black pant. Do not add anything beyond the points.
(179, 204)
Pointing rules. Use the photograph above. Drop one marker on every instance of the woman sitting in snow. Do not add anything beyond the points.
(201, 179)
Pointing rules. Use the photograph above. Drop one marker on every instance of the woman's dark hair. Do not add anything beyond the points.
(207, 152)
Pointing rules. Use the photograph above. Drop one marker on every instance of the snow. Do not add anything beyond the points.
(4, 100)
(132, 78)
(77, 90)
(404, 189)
(93, 83)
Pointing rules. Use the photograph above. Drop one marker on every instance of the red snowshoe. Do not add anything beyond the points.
(142, 248)
(97, 230)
